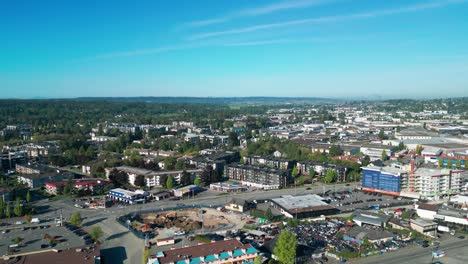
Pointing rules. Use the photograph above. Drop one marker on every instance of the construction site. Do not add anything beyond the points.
(186, 221)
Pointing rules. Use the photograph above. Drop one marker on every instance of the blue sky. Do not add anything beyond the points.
(316, 48)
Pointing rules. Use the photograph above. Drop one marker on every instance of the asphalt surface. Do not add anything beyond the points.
(454, 248)
(121, 246)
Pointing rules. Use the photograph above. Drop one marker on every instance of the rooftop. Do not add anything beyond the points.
(208, 251)
(391, 170)
(371, 218)
(429, 207)
(70, 256)
(362, 233)
(423, 223)
(431, 172)
(302, 203)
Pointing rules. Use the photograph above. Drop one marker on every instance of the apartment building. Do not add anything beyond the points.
(433, 183)
(387, 180)
(259, 177)
(271, 162)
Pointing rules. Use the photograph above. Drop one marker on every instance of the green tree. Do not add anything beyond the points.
(169, 182)
(330, 175)
(75, 219)
(28, 197)
(401, 146)
(268, 214)
(17, 240)
(384, 154)
(458, 164)
(449, 163)
(170, 162)
(2, 206)
(145, 256)
(381, 134)
(96, 233)
(89, 153)
(8, 210)
(140, 180)
(366, 160)
(68, 188)
(258, 260)
(295, 172)
(419, 149)
(18, 210)
(285, 249)
(180, 164)
(441, 162)
(197, 181)
(335, 150)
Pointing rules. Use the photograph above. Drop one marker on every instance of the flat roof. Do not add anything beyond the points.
(391, 170)
(421, 222)
(431, 172)
(309, 202)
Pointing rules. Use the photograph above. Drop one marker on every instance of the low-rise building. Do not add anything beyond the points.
(238, 205)
(374, 151)
(227, 251)
(228, 187)
(368, 218)
(452, 217)
(187, 190)
(127, 196)
(304, 206)
(80, 255)
(358, 234)
(426, 211)
(424, 227)
(54, 188)
(157, 178)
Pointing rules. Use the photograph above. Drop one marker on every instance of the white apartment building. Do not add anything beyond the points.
(433, 183)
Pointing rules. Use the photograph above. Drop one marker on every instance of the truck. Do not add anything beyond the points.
(441, 228)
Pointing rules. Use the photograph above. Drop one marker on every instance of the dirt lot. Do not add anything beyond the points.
(192, 220)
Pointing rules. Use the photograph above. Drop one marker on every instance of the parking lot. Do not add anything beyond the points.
(350, 200)
(37, 238)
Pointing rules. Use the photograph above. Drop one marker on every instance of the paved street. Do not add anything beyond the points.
(121, 246)
(455, 250)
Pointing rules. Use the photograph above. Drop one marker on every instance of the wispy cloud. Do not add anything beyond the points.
(256, 11)
(260, 43)
(157, 50)
(282, 6)
(272, 42)
(327, 19)
(139, 52)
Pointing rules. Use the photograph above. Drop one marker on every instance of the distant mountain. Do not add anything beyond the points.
(212, 100)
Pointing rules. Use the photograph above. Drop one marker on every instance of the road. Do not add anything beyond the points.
(454, 248)
(121, 246)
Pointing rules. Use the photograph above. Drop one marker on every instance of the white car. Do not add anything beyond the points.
(179, 233)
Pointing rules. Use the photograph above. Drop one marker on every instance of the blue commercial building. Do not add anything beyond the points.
(385, 180)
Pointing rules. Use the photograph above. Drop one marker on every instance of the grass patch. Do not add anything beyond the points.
(202, 239)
